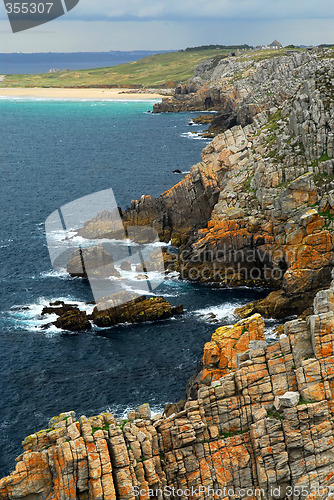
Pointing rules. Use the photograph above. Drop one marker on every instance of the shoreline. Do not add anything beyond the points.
(89, 93)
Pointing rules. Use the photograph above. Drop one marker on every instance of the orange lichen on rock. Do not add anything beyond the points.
(220, 354)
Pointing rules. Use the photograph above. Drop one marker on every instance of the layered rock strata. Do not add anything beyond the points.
(263, 426)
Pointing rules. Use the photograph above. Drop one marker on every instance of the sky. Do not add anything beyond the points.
(103, 25)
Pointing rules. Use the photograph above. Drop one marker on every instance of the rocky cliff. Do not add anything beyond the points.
(260, 426)
(258, 209)
(240, 87)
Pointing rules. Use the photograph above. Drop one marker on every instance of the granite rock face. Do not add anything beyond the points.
(232, 435)
(222, 353)
(258, 209)
(240, 87)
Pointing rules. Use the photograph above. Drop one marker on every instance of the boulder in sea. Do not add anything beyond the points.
(73, 320)
(177, 310)
(125, 265)
(129, 308)
(122, 307)
(69, 317)
(94, 260)
(144, 411)
(59, 308)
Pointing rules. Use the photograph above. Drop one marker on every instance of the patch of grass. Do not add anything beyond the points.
(323, 179)
(271, 140)
(273, 126)
(234, 433)
(122, 423)
(248, 185)
(323, 157)
(264, 54)
(284, 184)
(327, 215)
(304, 402)
(157, 71)
(273, 119)
(94, 429)
(273, 413)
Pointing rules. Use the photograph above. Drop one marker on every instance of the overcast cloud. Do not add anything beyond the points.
(102, 25)
(204, 9)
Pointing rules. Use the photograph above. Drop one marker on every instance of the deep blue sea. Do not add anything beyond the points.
(53, 152)
(21, 63)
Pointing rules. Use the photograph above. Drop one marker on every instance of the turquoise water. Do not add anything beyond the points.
(53, 152)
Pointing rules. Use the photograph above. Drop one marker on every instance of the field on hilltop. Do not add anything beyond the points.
(160, 70)
(157, 71)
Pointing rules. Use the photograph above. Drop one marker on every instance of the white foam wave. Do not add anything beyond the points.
(5, 243)
(223, 312)
(72, 238)
(207, 112)
(194, 135)
(122, 412)
(60, 273)
(29, 317)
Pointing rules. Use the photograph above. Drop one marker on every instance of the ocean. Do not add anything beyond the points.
(53, 152)
(21, 63)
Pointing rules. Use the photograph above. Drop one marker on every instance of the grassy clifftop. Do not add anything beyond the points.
(160, 70)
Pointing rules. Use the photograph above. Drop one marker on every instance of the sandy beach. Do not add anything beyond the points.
(90, 93)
